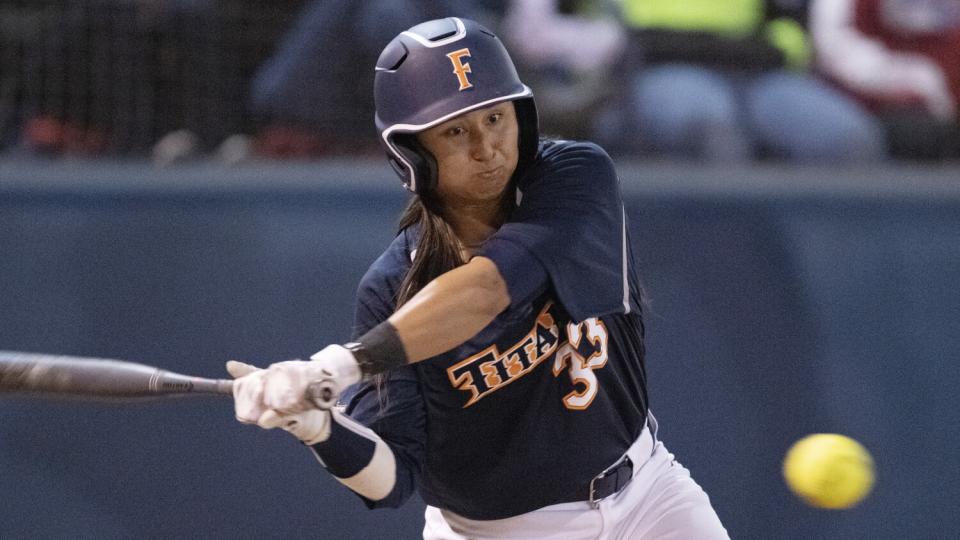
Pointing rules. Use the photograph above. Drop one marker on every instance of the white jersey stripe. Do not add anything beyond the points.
(626, 282)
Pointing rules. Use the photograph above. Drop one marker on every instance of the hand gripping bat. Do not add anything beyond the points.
(110, 380)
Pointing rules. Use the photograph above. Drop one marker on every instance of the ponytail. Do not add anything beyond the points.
(437, 251)
(438, 248)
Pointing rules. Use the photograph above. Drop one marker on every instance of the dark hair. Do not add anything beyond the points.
(438, 250)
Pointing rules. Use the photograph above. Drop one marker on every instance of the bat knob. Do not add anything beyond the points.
(323, 393)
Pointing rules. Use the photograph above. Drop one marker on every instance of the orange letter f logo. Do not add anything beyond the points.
(459, 68)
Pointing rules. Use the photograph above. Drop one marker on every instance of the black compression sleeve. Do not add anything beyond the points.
(378, 350)
(348, 449)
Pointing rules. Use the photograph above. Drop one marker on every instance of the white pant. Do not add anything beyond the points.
(660, 502)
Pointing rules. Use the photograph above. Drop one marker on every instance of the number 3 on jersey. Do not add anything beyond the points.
(585, 351)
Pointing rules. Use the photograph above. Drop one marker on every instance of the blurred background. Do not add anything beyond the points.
(184, 182)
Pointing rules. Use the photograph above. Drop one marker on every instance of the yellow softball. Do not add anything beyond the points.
(827, 470)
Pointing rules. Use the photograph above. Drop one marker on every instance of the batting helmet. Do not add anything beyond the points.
(433, 72)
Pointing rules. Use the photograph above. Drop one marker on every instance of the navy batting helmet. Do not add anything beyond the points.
(433, 72)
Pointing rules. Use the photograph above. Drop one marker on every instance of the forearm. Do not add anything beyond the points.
(451, 309)
(361, 460)
(446, 313)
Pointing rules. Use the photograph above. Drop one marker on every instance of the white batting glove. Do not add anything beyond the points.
(311, 426)
(247, 391)
(285, 383)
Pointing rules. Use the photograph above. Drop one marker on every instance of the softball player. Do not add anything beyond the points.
(498, 359)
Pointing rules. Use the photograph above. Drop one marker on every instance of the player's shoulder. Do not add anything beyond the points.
(567, 160)
(552, 150)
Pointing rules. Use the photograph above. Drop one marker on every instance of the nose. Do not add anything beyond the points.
(483, 146)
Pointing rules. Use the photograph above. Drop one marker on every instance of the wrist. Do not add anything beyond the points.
(317, 427)
(378, 350)
(337, 363)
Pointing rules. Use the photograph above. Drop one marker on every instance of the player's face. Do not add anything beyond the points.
(476, 154)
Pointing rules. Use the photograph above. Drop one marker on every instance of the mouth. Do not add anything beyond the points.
(491, 173)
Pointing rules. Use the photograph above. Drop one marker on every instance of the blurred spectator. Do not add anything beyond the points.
(728, 80)
(104, 78)
(567, 51)
(902, 59)
(115, 76)
(313, 96)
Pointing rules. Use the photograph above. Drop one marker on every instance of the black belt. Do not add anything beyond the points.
(611, 480)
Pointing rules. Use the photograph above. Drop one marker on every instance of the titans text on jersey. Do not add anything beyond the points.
(585, 350)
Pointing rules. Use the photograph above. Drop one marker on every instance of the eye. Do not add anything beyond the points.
(495, 117)
(455, 131)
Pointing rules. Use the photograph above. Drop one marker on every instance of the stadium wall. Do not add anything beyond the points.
(781, 302)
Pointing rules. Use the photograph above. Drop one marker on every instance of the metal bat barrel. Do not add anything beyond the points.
(97, 378)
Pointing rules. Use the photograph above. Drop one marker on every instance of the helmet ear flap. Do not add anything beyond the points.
(529, 136)
(422, 175)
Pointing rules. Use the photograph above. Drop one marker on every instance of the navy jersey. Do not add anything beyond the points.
(552, 392)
